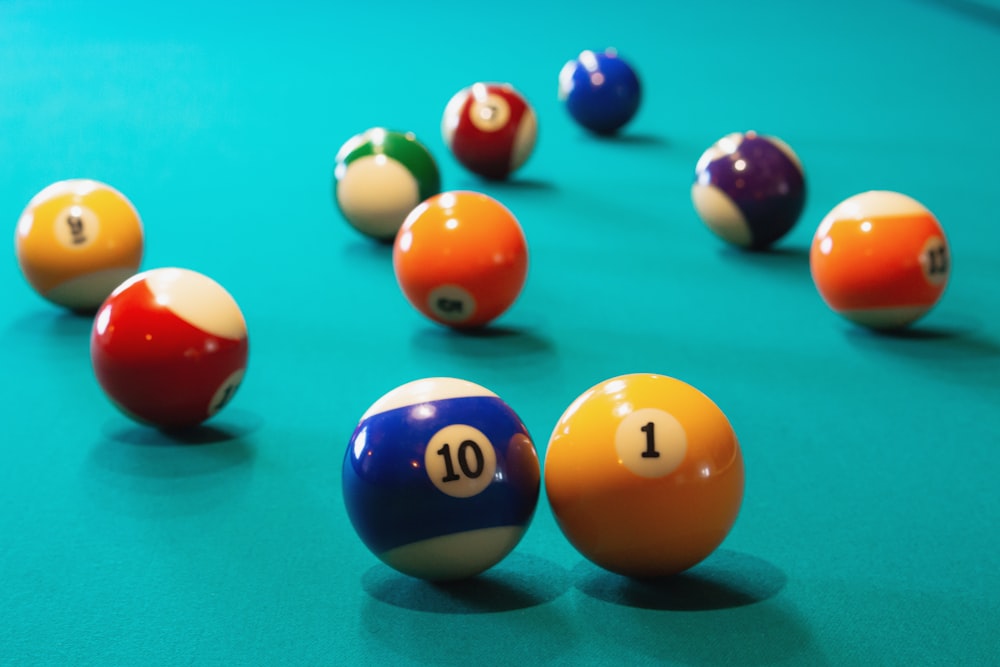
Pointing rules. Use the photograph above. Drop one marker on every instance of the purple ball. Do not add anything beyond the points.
(749, 189)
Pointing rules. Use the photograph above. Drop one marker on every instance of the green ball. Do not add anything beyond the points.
(381, 176)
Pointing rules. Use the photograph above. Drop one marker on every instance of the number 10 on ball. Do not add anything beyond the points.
(440, 479)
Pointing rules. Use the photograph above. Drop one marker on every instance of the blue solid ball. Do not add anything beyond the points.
(601, 91)
(440, 479)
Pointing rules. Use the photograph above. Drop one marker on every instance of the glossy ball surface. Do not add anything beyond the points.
(880, 259)
(76, 241)
(440, 479)
(461, 258)
(601, 91)
(379, 177)
(169, 347)
(644, 475)
(490, 129)
(749, 189)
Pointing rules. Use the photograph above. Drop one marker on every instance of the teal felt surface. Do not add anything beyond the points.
(868, 533)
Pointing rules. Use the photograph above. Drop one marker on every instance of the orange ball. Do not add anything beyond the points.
(461, 258)
(644, 475)
(880, 259)
(76, 241)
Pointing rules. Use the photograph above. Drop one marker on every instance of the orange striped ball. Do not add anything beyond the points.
(880, 259)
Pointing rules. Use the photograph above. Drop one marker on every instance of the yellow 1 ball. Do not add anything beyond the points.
(644, 475)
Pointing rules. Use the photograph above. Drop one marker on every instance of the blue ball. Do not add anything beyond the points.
(601, 91)
(440, 479)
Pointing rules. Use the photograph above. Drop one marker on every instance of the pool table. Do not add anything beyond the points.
(870, 525)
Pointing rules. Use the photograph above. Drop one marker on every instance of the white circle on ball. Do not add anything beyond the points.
(76, 227)
(460, 461)
(451, 303)
(226, 391)
(489, 112)
(376, 193)
(650, 442)
(935, 262)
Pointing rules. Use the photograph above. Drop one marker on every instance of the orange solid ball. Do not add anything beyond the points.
(644, 475)
(76, 241)
(880, 259)
(461, 258)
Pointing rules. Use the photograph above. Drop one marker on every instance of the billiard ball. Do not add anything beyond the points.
(440, 479)
(600, 90)
(644, 475)
(749, 189)
(380, 176)
(880, 259)
(76, 240)
(461, 258)
(490, 129)
(169, 347)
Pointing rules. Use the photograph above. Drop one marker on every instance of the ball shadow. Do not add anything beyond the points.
(782, 259)
(53, 322)
(149, 473)
(370, 249)
(979, 12)
(725, 611)
(519, 582)
(141, 451)
(917, 332)
(726, 580)
(483, 342)
(500, 617)
(626, 138)
(234, 426)
(513, 183)
(955, 351)
(928, 341)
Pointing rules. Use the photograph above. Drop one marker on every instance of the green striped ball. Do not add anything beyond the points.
(381, 176)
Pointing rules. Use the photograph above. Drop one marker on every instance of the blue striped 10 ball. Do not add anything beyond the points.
(441, 479)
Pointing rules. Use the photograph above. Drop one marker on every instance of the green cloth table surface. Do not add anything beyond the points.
(869, 529)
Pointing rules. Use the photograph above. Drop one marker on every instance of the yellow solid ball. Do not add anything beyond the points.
(644, 475)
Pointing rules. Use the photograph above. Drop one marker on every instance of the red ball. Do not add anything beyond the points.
(169, 347)
(490, 129)
(461, 259)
